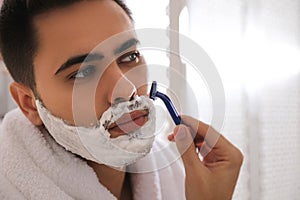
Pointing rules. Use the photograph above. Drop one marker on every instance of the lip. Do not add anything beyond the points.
(128, 122)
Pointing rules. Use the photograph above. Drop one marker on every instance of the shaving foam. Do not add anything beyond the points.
(94, 143)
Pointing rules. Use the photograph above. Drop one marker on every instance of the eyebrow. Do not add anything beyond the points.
(126, 45)
(79, 59)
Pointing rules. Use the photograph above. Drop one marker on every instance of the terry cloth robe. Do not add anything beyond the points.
(33, 166)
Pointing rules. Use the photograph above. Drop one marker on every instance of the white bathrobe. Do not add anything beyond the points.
(33, 166)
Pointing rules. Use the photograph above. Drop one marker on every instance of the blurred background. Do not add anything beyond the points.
(255, 45)
(6, 102)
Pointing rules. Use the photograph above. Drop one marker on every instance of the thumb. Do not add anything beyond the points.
(186, 147)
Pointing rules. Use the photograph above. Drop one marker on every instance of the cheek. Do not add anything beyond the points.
(56, 98)
(101, 98)
(100, 106)
(73, 105)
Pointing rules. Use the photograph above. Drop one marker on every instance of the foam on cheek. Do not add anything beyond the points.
(94, 143)
(137, 141)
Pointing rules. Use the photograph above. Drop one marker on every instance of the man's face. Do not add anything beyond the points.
(66, 36)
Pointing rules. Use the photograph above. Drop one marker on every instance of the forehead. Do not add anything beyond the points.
(76, 29)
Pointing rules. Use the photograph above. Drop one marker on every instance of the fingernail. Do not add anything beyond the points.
(171, 137)
(180, 134)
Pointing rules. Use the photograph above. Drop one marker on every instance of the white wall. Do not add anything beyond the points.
(6, 102)
(255, 45)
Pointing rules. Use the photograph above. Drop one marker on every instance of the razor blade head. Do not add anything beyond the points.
(153, 90)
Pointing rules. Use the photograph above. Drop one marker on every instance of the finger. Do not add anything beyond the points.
(203, 131)
(217, 147)
(186, 147)
(196, 125)
(208, 155)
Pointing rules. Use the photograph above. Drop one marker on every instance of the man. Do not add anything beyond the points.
(51, 50)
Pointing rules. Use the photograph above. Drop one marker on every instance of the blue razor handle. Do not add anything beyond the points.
(167, 101)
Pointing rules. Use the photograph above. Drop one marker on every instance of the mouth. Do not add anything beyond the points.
(128, 123)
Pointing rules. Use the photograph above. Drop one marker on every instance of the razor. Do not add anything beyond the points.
(167, 101)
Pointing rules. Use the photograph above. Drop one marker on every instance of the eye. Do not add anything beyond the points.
(83, 73)
(129, 57)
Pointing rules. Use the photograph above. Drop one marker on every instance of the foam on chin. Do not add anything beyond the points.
(94, 143)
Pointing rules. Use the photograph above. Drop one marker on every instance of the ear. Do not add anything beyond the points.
(25, 98)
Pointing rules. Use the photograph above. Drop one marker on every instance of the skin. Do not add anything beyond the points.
(60, 39)
(92, 23)
(215, 176)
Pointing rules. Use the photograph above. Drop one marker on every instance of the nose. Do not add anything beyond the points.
(123, 89)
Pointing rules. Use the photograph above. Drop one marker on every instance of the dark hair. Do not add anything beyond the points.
(18, 38)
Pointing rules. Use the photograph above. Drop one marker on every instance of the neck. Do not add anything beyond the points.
(111, 178)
